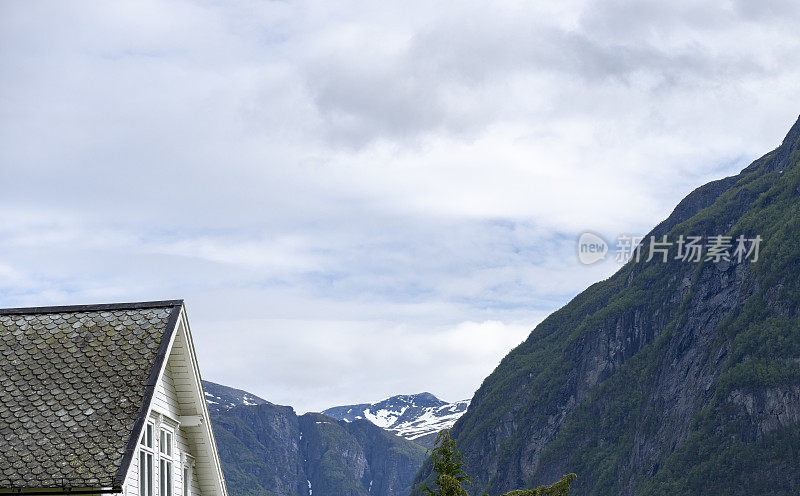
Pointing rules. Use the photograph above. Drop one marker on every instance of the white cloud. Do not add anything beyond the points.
(383, 173)
(340, 362)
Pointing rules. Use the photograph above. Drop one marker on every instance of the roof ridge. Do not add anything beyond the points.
(91, 308)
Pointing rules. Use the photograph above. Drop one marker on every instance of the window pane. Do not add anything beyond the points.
(149, 474)
(169, 479)
(186, 481)
(169, 444)
(142, 473)
(162, 442)
(149, 435)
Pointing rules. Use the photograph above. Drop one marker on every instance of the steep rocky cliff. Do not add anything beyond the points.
(267, 450)
(673, 377)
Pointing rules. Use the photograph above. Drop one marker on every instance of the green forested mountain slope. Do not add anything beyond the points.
(666, 378)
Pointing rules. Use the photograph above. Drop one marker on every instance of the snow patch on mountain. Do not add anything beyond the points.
(384, 418)
(221, 397)
(410, 416)
(433, 420)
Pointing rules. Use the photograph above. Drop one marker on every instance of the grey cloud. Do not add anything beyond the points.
(404, 94)
(786, 11)
(362, 101)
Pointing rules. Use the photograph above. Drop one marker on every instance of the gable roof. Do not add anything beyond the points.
(76, 384)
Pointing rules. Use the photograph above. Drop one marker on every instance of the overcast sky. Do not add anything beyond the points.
(361, 199)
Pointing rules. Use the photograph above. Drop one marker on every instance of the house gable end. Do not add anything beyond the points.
(177, 404)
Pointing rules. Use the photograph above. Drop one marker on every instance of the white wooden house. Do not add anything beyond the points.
(104, 399)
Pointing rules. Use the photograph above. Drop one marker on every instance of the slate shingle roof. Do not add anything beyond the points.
(75, 384)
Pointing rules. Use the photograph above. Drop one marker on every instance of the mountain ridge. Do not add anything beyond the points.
(416, 417)
(221, 397)
(268, 450)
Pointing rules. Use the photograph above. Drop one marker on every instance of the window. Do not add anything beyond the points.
(165, 446)
(187, 481)
(166, 477)
(146, 462)
(165, 472)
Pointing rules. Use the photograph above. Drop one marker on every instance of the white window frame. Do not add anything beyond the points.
(166, 465)
(146, 459)
(187, 474)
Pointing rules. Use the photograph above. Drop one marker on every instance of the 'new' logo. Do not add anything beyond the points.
(591, 248)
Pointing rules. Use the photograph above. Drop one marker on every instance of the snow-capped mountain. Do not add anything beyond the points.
(417, 417)
(221, 397)
(269, 449)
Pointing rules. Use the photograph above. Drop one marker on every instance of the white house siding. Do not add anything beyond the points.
(165, 399)
(165, 410)
(185, 387)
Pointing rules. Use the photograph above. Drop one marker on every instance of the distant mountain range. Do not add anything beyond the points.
(269, 450)
(417, 417)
